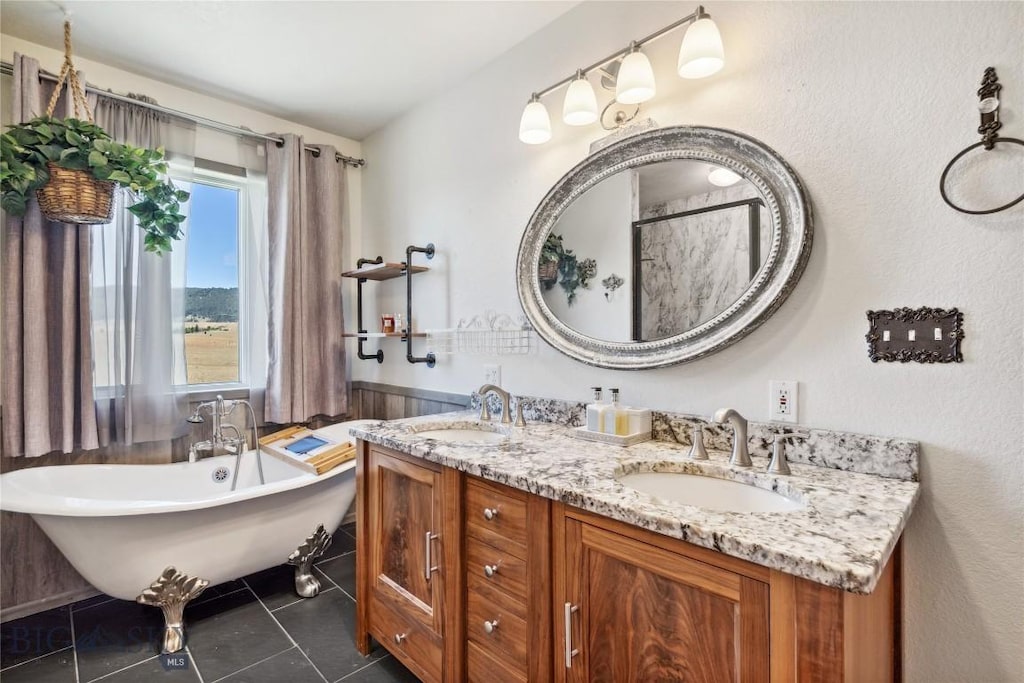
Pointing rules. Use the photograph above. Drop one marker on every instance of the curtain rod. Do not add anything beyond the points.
(8, 68)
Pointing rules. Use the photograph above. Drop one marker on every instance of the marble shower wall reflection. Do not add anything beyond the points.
(694, 267)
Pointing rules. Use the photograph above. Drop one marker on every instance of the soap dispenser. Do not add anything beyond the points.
(594, 411)
(614, 419)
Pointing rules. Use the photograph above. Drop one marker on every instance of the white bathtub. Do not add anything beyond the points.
(120, 526)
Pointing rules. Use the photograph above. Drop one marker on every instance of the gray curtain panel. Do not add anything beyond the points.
(306, 364)
(138, 298)
(47, 351)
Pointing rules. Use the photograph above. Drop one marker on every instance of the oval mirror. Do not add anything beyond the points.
(663, 247)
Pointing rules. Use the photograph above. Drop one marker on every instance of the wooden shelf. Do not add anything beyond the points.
(385, 271)
(379, 335)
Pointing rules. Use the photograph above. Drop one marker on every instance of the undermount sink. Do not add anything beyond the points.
(464, 433)
(721, 495)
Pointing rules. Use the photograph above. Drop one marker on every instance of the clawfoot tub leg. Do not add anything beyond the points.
(171, 592)
(306, 583)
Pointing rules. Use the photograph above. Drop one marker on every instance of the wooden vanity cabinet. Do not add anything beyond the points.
(508, 584)
(632, 605)
(636, 611)
(520, 589)
(408, 561)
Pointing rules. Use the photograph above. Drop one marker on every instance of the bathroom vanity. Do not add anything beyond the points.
(526, 559)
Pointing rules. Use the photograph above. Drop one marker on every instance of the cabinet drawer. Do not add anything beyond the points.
(482, 668)
(509, 572)
(419, 650)
(507, 528)
(508, 641)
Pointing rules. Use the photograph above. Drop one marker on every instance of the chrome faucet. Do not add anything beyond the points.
(740, 455)
(219, 409)
(506, 405)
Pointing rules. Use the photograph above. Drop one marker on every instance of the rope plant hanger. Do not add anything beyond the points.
(73, 166)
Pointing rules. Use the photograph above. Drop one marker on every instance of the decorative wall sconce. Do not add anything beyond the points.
(628, 72)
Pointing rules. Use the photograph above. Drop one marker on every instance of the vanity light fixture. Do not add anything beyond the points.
(629, 72)
(723, 177)
(535, 126)
(635, 81)
(580, 107)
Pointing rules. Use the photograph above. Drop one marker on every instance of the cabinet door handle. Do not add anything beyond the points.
(490, 626)
(399, 637)
(490, 513)
(428, 564)
(569, 651)
(491, 569)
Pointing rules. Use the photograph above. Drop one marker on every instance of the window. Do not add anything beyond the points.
(191, 303)
(212, 279)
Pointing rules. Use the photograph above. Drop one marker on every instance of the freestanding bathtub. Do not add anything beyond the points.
(122, 526)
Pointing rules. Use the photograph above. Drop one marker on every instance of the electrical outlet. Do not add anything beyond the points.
(492, 374)
(782, 403)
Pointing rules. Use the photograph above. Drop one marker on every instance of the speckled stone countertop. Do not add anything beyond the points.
(842, 537)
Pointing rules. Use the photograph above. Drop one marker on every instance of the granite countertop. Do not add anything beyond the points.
(843, 537)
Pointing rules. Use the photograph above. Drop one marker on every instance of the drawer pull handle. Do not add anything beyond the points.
(569, 651)
(491, 569)
(490, 513)
(490, 626)
(428, 565)
(399, 637)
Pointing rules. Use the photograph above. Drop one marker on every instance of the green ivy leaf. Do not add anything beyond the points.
(120, 177)
(97, 159)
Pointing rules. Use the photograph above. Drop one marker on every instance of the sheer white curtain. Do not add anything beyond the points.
(138, 299)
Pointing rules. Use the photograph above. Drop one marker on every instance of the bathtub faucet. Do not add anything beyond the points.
(235, 443)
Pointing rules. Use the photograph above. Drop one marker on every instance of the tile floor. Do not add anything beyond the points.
(253, 630)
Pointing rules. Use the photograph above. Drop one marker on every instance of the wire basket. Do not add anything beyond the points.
(73, 196)
(490, 334)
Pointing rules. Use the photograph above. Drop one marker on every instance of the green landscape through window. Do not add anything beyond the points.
(211, 295)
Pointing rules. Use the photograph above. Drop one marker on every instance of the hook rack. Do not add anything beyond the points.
(988, 108)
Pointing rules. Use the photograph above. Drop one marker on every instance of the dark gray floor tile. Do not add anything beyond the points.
(342, 571)
(92, 602)
(219, 590)
(324, 628)
(230, 633)
(384, 671)
(341, 542)
(152, 670)
(291, 666)
(34, 636)
(115, 635)
(58, 667)
(349, 528)
(275, 586)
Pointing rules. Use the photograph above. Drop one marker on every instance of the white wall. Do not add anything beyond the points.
(867, 102)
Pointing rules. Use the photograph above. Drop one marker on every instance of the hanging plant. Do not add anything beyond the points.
(74, 167)
(551, 255)
(576, 274)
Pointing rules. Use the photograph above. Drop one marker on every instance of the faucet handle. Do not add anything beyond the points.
(697, 451)
(520, 422)
(778, 464)
(485, 412)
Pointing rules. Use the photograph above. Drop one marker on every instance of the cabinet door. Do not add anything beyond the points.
(635, 612)
(405, 548)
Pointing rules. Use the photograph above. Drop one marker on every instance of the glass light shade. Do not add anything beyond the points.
(635, 81)
(580, 107)
(701, 53)
(723, 177)
(535, 126)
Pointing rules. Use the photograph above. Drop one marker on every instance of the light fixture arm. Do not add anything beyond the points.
(633, 45)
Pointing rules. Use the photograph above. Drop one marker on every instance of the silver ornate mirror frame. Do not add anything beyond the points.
(792, 231)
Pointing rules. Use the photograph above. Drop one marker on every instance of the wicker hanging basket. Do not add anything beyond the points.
(74, 196)
(547, 272)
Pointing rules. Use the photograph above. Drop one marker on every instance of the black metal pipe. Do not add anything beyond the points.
(429, 359)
